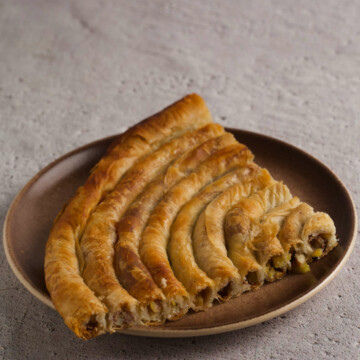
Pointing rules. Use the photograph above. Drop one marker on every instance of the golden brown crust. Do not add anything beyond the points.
(133, 274)
(155, 236)
(237, 229)
(274, 219)
(75, 302)
(174, 176)
(290, 232)
(208, 238)
(320, 225)
(304, 233)
(98, 240)
(200, 287)
(250, 243)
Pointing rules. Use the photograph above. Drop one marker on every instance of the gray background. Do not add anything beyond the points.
(75, 71)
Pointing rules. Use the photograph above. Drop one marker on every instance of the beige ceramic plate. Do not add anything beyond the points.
(31, 214)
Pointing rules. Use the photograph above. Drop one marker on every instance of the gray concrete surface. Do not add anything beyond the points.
(75, 71)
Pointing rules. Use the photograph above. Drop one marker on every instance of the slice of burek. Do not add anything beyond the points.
(175, 216)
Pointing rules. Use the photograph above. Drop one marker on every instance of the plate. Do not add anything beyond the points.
(32, 212)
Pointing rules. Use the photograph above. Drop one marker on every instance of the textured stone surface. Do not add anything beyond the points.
(75, 71)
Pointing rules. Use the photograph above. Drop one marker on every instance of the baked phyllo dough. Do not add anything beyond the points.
(251, 242)
(98, 240)
(81, 310)
(175, 216)
(154, 239)
(203, 289)
(209, 241)
(271, 232)
(132, 273)
(306, 235)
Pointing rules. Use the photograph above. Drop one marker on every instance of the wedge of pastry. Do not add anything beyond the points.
(175, 216)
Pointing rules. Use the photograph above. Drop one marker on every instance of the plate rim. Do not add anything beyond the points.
(171, 333)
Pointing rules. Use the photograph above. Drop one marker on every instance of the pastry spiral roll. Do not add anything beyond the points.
(305, 235)
(251, 237)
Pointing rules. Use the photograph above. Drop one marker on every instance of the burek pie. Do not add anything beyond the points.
(175, 216)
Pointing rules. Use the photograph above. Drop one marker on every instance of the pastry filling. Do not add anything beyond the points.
(177, 307)
(92, 324)
(122, 317)
(300, 268)
(272, 274)
(317, 253)
(316, 249)
(277, 267)
(225, 292)
(151, 312)
(318, 244)
(229, 288)
(203, 298)
(252, 278)
(281, 262)
(154, 307)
